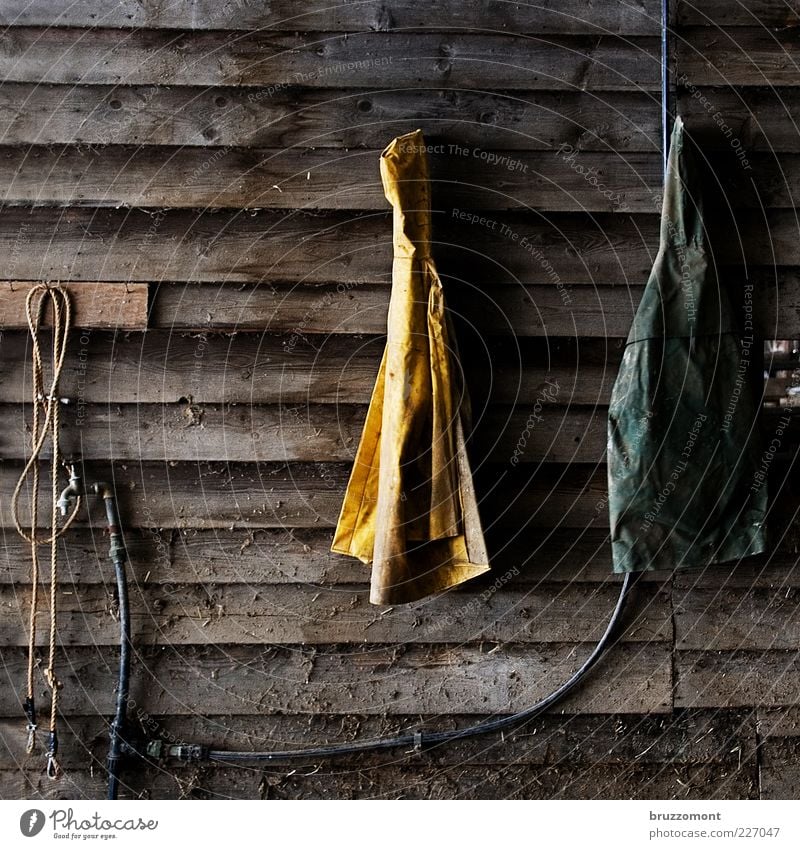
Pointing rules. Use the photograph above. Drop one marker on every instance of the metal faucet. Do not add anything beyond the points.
(74, 489)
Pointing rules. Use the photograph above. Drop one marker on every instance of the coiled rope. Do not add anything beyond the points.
(45, 423)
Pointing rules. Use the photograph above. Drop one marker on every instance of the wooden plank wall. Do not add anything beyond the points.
(225, 155)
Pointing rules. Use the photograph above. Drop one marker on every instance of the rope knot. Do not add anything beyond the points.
(52, 681)
(30, 747)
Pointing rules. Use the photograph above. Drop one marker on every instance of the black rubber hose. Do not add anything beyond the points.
(425, 738)
(118, 556)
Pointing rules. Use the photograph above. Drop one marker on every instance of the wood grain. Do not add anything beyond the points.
(736, 618)
(260, 246)
(736, 678)
(767, 13)
(267, 60)
(249, 496)
(309, 179)
(722, 738)
(701, 782)
(239, 433)
(740, 56)
(544, 16)
(326, 118)
(179, 367)
(303, 556)
(253, 680)
(287, 614)
(94, 305)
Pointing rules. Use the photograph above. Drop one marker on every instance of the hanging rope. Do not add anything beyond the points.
(45, 423)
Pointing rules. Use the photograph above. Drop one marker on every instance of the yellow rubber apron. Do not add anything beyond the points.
(410, 507)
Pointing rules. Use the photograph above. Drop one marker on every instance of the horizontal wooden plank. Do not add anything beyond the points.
(335, 60)
(269, 556)
(721, 738)
(166, 367)
(778, 390)
(299, 311)
(187, 495)
(774, 180)
(311, 433)
(307, 433)
(229, 495)
(161, 366)
(404, 782)
(722, 13)
(195, 432)
(544, 16)
(581, 311)
(294, 178)
(415, 679)
(772, 237)
(758, 118)
(779, 769)
(736, 678)
(289, 614)
(742, 56)
(303, 556)
(777, 571)
(330, 118)
(559, 250)
(94, 305)
(732, 619)
(281, 247)
(779, 750)
(778, 722)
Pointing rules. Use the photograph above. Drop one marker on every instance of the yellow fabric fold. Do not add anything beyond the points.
(410, 507)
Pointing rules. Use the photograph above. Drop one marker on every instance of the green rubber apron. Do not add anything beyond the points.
(684, 484)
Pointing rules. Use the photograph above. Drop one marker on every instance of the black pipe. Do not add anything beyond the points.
(195, 752)
(118, 556)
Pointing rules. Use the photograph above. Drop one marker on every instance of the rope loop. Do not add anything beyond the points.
(45, 424)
